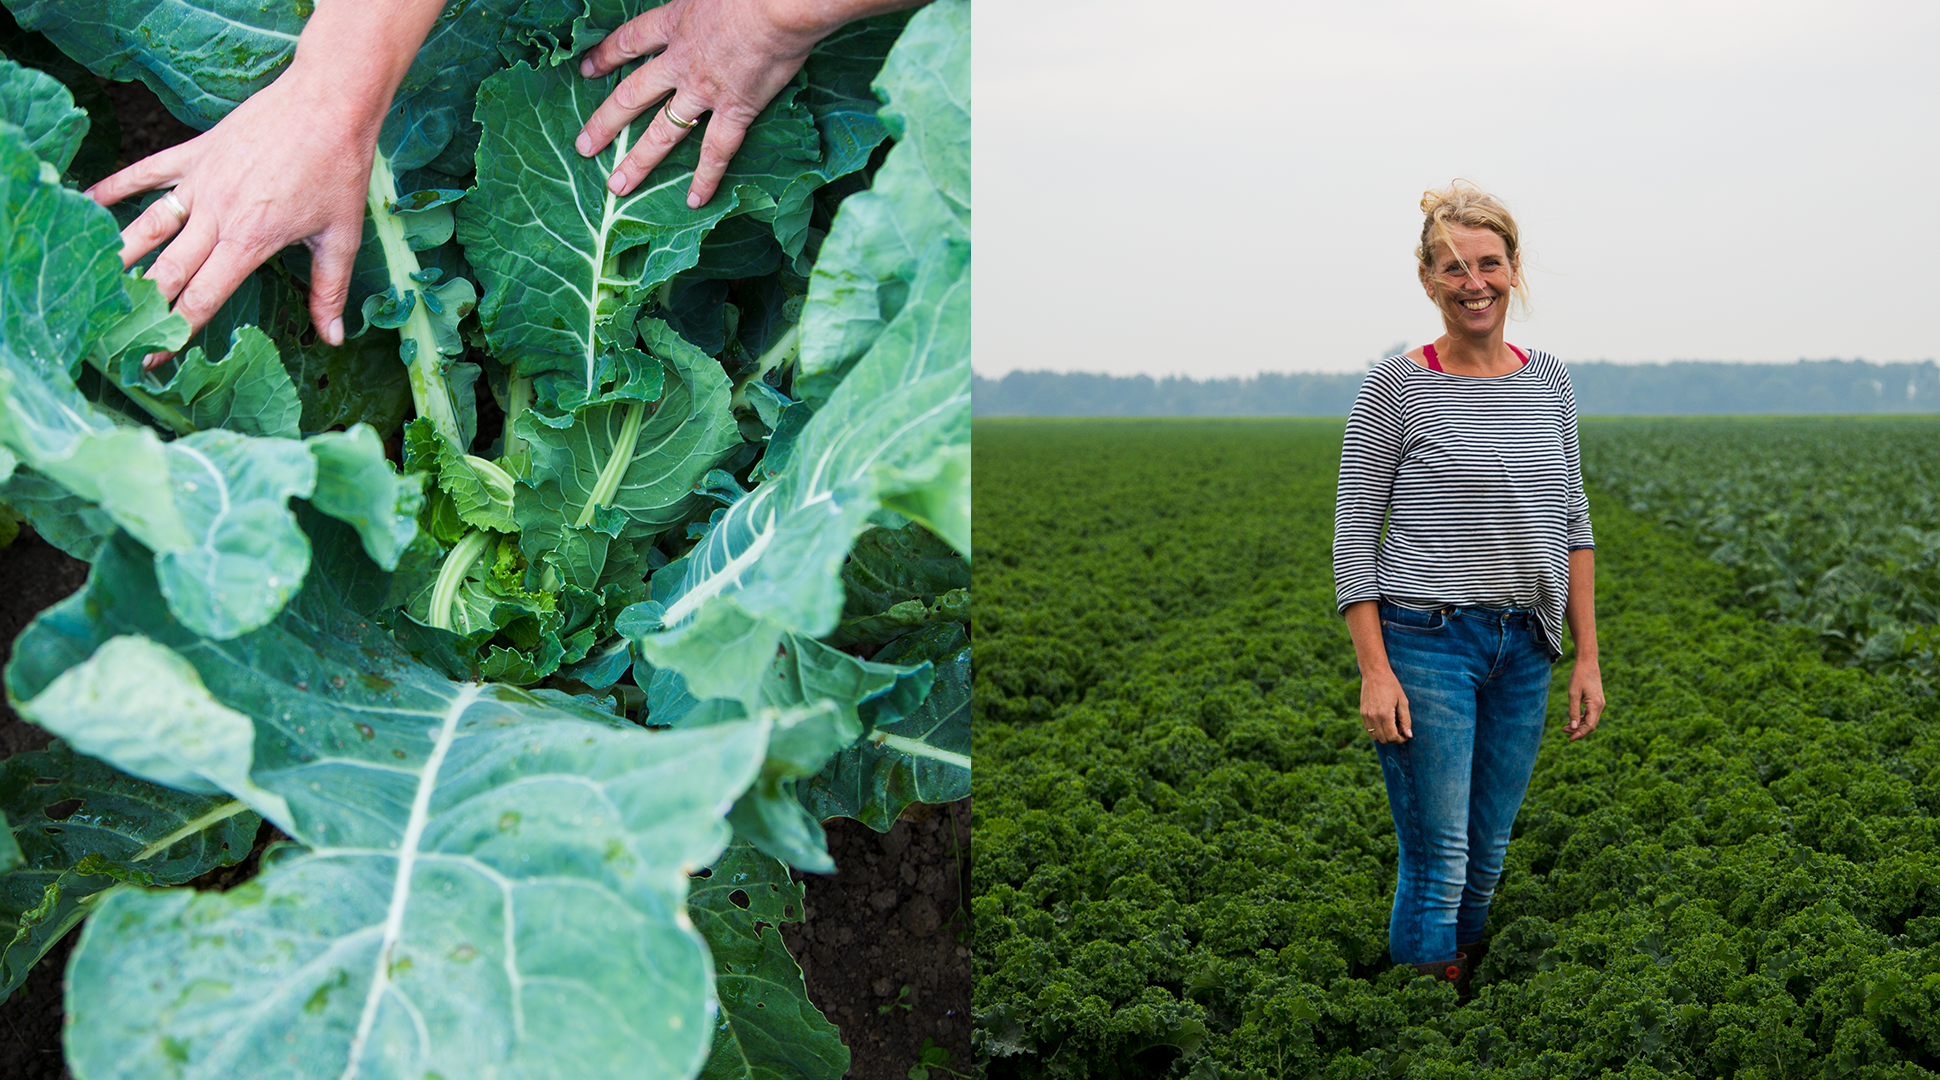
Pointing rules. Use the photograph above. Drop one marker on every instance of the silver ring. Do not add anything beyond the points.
(174, 205)
(677, 121)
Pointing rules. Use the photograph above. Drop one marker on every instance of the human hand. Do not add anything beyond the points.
(1384, 709)
(1586, 698)
(726, 57)
(284, 167)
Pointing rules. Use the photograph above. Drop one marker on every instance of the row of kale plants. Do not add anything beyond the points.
(1184, 858)
(1833, 524)
(549, 617)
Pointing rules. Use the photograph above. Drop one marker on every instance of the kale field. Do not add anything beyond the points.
(1183, 857)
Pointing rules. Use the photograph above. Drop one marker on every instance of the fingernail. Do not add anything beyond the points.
(693, 201)
(616, 183)
(586, 67)
(584, 144)
(334, 333)
(152, 361)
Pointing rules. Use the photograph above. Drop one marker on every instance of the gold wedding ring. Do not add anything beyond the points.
(174, 205)
(677, 121)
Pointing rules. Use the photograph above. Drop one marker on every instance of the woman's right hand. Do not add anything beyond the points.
(1384, 708)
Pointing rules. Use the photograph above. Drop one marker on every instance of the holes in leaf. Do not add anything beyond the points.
(739, 898)
(62, 810)
(45, 781)
(323, 382)
(788, 912)
(704, 872)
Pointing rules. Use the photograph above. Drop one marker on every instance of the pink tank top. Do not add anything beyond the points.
(1428, 354)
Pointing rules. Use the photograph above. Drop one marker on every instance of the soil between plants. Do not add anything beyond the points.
(885, 945)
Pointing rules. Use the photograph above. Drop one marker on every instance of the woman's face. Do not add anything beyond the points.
(1471, 284)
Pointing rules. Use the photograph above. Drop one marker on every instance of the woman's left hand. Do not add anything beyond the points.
(1586, 698)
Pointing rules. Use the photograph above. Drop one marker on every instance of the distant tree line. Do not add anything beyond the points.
(1602, 389)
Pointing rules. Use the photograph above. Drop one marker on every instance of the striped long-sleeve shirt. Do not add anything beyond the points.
(1478, 483)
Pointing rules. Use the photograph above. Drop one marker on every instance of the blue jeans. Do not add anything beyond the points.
(1477, 681)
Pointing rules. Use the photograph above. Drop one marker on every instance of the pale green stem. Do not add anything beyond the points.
(518, 399)
(221, 813)
(496, 481)
(921, 749)
(785, 349)
(430, 392)
(608, 484)
(451, 576)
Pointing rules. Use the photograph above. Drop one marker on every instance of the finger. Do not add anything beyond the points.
(150, 228)
(718, 147)
(330, 268)
(162, 169)
(636, 37)
(227, 264)
(661, 136)
(1407, 724)
(636, 93)
(184, 255)
(1575, 707)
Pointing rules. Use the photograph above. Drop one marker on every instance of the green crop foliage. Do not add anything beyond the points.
(1832, 524)
(1184, 857)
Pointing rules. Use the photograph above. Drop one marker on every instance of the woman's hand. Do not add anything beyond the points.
(1384, 708)
(726, 57)
(1586, 698)
(290, 164)
(275, 171)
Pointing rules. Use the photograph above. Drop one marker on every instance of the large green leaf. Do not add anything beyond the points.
(44, 111)
(491, 881)
(627, 465)
(562, 258)
(213, 504)
(835, 89)
(102, 144)
(768, 1029)
(772, 565)
(201, 58)
(60, 281)
(59, 516)
(831, 698)
(898, 580)
(358, 485)
(184, 739)
(922, 757)
(922, 192)
(80, 827)
(357, 382)
(245, 390)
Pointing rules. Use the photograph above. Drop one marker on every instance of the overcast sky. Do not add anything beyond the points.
(1225, 187)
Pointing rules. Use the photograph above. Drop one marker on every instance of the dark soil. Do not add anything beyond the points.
(892, 916)
(886, 944)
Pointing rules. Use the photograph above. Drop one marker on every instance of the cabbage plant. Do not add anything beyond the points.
(548, 617)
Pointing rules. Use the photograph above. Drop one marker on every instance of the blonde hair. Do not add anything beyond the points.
(1462, 203)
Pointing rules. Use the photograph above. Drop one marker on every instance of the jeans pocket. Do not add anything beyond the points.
(1414, 622)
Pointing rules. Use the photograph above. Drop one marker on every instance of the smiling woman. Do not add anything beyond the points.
(1461, 547)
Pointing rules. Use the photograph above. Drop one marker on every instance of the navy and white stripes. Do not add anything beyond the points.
(1478, 482)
